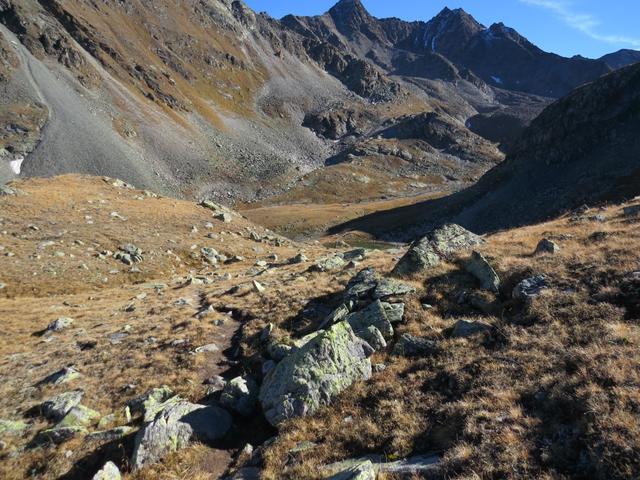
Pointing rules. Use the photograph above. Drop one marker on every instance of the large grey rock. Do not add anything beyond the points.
(315, 374)
(109, 472)
(437, 245)
(57, 407)
(327, 264)
(388, 287)
(175, 427)
(58, 435)
(479, 267)
(111, 434)
(374, 315)
(361, 285)
(240, 394)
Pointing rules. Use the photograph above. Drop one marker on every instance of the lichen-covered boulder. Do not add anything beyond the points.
(79, 416)
(175, 427)
(315, 374)
(437, 245)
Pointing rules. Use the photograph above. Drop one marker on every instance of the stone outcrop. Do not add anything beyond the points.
(437, 245)
(315, 374)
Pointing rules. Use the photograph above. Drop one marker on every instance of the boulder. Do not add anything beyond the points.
(547, 246)
(109, 472)
(57, 407)
(328, 264)
(129, 254)
(315, 374)
(388, 287)
(361, 285)
(411, 346)
(111, 434)
(479, 267)
(175, 427)
(529, 288)
(437, 245)
(241, 395)
(300, 258)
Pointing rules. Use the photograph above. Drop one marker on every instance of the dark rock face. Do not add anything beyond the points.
(583, 149)
(621, 58)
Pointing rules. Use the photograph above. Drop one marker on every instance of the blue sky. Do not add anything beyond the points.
(569, 27)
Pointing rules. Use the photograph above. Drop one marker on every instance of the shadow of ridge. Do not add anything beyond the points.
(405, 223)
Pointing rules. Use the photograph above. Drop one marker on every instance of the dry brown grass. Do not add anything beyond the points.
(550, 392)
(42, 287)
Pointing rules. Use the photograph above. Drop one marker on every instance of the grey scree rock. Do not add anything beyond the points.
(108, 472)
(175, 427)
(241, 395)
(315, 374)
(364, 470)
(547, 246)
(439, 244)
(479, 267)
(529, 288)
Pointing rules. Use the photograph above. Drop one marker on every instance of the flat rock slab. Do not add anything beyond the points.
(175, 427)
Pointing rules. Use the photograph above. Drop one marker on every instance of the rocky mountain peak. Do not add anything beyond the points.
(349, 8)
(450, 30)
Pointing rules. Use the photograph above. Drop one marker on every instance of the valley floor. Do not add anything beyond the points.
(542, 389)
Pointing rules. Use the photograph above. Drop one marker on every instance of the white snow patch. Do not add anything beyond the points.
(16, 164)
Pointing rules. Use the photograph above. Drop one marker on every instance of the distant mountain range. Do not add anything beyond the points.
(208, 98)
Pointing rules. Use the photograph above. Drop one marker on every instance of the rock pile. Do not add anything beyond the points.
(320, 366)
